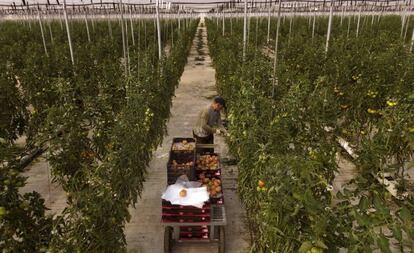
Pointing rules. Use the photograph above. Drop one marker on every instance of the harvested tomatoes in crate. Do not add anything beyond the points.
(208, 162)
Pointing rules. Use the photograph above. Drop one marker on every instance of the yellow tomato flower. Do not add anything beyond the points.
(372, 111)
(372, 94)
(391, 103)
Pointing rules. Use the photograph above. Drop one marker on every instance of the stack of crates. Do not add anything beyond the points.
(183, 162)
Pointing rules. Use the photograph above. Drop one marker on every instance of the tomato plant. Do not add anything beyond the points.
(282, 138)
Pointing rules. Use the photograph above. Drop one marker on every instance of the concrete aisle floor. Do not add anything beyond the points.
(39, 179)
(145, 233)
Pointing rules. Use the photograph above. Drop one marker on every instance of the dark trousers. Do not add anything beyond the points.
(205, 140)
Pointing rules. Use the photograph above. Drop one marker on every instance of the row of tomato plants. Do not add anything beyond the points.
(362, 89)
(100, 126)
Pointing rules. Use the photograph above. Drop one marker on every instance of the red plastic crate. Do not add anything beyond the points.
(194, 233)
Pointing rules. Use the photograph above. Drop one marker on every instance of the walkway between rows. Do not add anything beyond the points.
(145, 233)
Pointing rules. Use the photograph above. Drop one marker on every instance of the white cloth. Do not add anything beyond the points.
(196, 196)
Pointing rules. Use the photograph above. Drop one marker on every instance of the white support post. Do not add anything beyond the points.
(29, 20)
(403, 19)
(328, 35)
(43, 34)
(60, 20)
(406, 27)
(68, 32)
(231, 24)
(349, 25)
(109, 24)
(223, 22)
(179, 19)
(249, 19)
(139, 45)
(276, 49)
(132, 27)
(245, 30)
(314, 24)
(124, 45)
(172, 35)
(372, 17)
(158, 29)
(359, 21)
(92, 19)
(268, 25)
(290, 23)
(52, 40)
(87, 27)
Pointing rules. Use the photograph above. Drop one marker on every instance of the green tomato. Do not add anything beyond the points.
(2, 211)
(387, 195)
(316, 250)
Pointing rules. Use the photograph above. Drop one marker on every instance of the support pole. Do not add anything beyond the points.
(223, 22)
(268, 26)
(328, 35)
(406, 27)
(231, 24)
(87, 27)
(68, 32)
(52, 40)
(124, 45)
(359, 21)
(349, 26)
(109, 25)
(158, 29)
(403, 19)
(245, 30)
(276, 49)
(43, 34)
(179, 19)
(412, 41)
(314, 24)
(132, 27)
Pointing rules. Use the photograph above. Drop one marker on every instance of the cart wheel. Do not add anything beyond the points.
(222, 241)
(168, 239)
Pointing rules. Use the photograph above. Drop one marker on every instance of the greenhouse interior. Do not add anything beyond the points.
(198, 126)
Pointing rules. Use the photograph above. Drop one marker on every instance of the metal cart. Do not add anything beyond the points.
(215, 226)
(188, 224)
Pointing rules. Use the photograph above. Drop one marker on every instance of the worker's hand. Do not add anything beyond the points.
(218, 131)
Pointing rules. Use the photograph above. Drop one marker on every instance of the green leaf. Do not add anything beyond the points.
(362, 220)
(321, 244)
(405, 214)
(363, 203)
(353, 249)
(340, 195)
(347, 193)
(383, 244)
(379, 205)
(306, 245)
(278, 231)
(396, 232)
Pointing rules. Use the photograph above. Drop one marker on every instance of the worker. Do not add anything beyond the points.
(209, 123)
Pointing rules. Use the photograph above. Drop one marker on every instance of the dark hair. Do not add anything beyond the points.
(219, 100)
